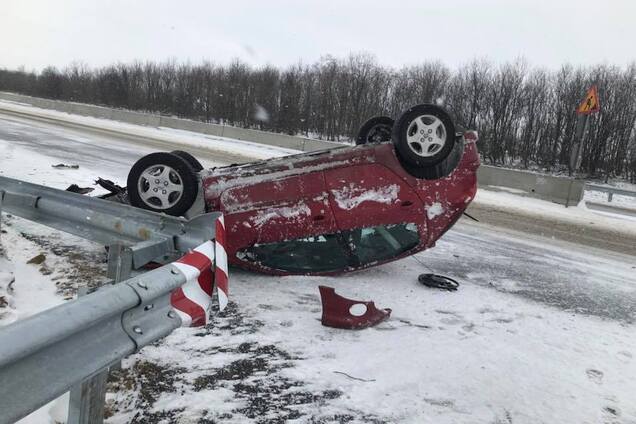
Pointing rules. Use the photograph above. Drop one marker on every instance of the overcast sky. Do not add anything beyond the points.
(37, 33)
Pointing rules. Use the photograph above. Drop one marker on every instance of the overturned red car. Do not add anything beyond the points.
(395, 193)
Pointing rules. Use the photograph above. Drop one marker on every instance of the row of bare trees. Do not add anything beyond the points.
(525, 116)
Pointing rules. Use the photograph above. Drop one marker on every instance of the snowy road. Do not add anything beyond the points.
(89, 149)
(539, 331)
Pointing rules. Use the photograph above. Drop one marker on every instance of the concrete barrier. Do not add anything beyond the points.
(189, 125)
(563, 190)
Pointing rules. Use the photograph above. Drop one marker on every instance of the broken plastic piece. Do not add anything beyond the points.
(74, 188)
(340, 312)
(110, 186)
(115, 193)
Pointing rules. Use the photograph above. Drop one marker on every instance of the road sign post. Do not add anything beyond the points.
(577, 149)
(589, 105)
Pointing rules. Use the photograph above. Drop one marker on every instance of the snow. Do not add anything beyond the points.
(261, 114)
(436, 209)
(574, 214)
(38, 168)
(32, 290)
(53, 412)
(481, 354)
(225, 182)
(351, 196)
(508, 189)
(539, 330)
(287, 213)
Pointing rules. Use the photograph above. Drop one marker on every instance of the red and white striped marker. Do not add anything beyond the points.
(220, 272)
(192, 301)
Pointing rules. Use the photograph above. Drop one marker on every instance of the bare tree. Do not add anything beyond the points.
(526, 117)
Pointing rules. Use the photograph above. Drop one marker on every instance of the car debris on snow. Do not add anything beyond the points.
(64, 166)
(340, 312)
(74, 188)
(438, 282)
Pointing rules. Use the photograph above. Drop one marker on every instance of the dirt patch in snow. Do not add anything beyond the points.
(148, 380)
(250, 375)
(81, 267)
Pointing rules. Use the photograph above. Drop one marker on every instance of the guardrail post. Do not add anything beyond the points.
(609, 196)
(120, 262)
(87, 399)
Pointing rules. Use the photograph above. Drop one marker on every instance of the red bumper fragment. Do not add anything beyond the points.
(340, 312)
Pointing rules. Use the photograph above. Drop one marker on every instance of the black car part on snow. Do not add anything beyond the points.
(438, 282)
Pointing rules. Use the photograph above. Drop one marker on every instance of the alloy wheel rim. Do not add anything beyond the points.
(160, 186)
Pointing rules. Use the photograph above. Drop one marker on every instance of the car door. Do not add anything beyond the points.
(378, 214)
(283, 209)
(369, 195)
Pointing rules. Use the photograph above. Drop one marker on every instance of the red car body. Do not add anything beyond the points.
(335, 211)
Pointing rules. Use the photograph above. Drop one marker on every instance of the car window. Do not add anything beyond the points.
(335, 252)
(322, 253)
(383, 242)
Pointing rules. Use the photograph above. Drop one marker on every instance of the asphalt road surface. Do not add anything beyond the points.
(91, 148)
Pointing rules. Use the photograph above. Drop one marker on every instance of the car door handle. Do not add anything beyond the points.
(406, 204)
(319, 217)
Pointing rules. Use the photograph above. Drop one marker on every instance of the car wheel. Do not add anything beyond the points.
(440, 170)
(375, 130)
(162, 182)
(424, 135)
(194, 163)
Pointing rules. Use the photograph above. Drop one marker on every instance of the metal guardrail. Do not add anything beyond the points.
(42, 356)
(152, 236)
(611, 191)
(72, 346)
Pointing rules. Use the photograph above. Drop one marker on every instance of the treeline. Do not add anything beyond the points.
(525, 116)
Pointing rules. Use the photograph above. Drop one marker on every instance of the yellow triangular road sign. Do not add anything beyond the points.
(591, 103)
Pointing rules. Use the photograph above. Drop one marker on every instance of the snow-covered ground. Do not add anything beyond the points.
(579, 215)
(539, 331)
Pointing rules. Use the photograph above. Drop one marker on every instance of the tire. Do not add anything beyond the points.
(375, 130)
(424, 135)
(194, 163)
(163, 182)
(441, 170)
